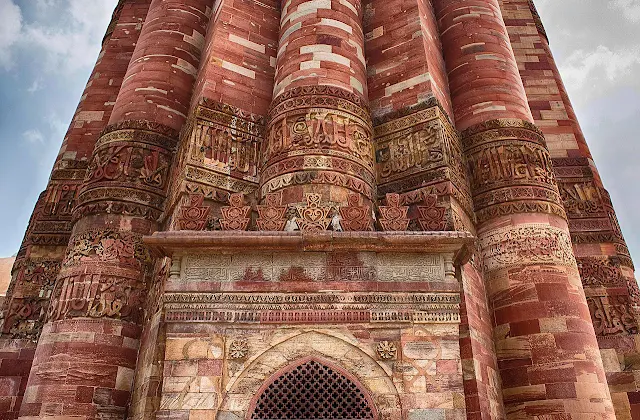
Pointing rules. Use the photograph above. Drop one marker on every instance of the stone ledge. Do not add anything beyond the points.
(180, 242)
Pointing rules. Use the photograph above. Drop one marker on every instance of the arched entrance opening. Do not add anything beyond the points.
(311, 389)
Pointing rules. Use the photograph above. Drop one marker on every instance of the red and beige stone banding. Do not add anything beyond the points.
(319, 135)
(85, 364)
(546, 349)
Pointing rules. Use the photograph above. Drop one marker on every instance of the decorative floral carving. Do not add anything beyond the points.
(386, 350)
(239, 349)
(432, 217)
(600, 271)
(526, 244)
(355, 216)
(313, 216)
(271, 215)
(236, 216)
(193, 214)
(393, 217)
(126, 248)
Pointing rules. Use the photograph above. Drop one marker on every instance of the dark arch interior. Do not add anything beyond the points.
(312, 391)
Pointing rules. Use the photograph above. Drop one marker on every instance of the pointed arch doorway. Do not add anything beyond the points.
(311, 389)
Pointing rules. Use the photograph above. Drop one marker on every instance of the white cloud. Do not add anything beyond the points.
(35, 86)
(592, 73)
(33, 136)
(67, 44)
(630, 9)
(10, 28)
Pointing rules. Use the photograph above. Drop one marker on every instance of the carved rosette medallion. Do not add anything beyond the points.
(128, 172)
(318, 135)
(386, 350)
(510, 170)
(238, 349)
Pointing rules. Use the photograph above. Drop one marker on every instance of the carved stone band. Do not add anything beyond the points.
(130, 164)
(318, 123)
(510, 170)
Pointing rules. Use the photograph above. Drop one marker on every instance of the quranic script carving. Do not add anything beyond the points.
(611, 315)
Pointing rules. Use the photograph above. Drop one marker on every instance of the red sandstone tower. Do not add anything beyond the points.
(348, 209)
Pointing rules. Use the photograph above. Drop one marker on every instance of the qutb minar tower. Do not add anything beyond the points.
(323, 209)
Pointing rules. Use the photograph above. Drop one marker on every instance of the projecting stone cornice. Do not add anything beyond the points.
(460, 244)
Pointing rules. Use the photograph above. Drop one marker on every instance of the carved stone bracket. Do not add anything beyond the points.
(432, 217)
(236, 216)
(314, 217)
(355, 216)
(193, 214)
(271, 215)
(393, 217)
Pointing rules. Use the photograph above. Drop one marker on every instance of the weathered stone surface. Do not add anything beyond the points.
(324, 141)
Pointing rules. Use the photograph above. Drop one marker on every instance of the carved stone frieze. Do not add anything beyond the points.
(313, 267)
(315, 96)
(509, 165)
(526, 244)
(317, 177)
(320, 135)
(125, 248)
(581, 199)
(226, 140)
(98, 296)
(210, 178)
(130, 164)
(600, 271)
(295, 308)
(25, 317)
(420, 147)
(611, 315)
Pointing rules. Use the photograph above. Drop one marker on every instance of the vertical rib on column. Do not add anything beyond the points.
(546, 347)
(84, 364)
(160, 78)
(43, 247)
(599, 246)
(319, 129)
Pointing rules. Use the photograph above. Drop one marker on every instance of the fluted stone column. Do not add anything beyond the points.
(546, 347)
(319, 129)
(85, 360)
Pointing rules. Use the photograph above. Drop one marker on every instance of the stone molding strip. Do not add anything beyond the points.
(182, 242)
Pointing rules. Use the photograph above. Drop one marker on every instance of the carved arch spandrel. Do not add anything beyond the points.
(313, 345)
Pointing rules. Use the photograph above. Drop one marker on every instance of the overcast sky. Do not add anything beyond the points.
(48, 48)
